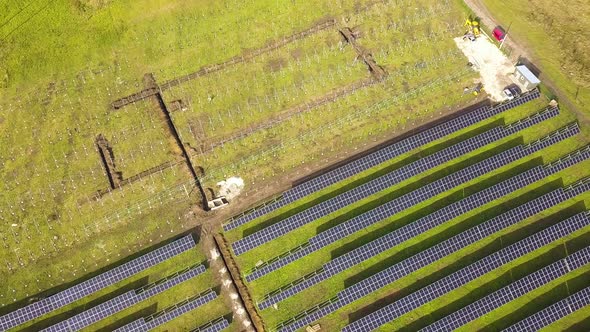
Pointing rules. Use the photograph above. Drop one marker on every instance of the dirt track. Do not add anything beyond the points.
(520, 49)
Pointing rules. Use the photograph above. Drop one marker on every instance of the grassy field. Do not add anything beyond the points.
(56, 206)
(557, 36)
(289, 97)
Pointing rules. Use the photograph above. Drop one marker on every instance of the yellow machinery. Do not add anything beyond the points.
(473, 26)
(476, 90)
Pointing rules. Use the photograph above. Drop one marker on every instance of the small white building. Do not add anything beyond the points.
(526, 78)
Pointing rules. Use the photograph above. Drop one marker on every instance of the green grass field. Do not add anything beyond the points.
(290, 96)
(546, 30)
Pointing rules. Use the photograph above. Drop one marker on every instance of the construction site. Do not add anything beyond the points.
(279, 166)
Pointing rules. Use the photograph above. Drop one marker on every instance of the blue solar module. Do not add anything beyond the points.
(553, 313)
(121, 302)
(442, 185)
(430, 221)
(146, 324)
(357, 166)
(95, 284)
(512, 291)
(374, 186)
(428, 256)
(217, 325)
(469, 273)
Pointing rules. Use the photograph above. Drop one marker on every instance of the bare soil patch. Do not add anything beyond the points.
(276, 65)
(331, 96)
(350, 35)
(494, 66)
(244, 300)
(107, 156)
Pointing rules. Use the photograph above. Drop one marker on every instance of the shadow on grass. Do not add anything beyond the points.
(418, 155)
(452, 198)
(421, 281)
(485, 289)
(583, 325)
(418, 184)
(195, 233)
(516, 273)
(398, 138)
(540, 302)
(74, 311)
(228, 317)
(152, 309)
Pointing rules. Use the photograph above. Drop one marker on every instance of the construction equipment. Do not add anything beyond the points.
(473, 31)
(476, 90)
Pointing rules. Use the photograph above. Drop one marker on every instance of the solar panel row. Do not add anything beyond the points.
(385, 181)
(444, 184)
(512, 291)
(321, 240)
(121, 302)
(158, 319)
(553, 313)
(467, 274)
(424, 224)
(85, 288)
(428, 256)
(216, 325)
(384, 154)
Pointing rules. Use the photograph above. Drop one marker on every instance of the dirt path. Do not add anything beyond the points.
(520, 49)
(232, 290)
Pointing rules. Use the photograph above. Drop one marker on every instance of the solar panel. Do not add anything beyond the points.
(376, 185)
(364, 163)
(512, 291)
(407, 266)
(146, 324)
(429, 221)
(217, 325)
(121, 302)
(553, 313)
(441, 185)
(400, 235)
(470, 273)
(85, 288)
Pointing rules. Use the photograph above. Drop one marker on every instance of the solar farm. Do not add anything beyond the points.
(222, 165)
(166, 263)
(449, 228)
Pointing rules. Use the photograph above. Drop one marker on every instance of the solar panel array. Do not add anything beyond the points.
(217, 325)
(430, 255)
(428, 222)
(434, 188)
(512, 291)
(389, 209)
(158, 319)
(432, 220)
(357, 166)
(95, 284)
(121, 302)
(467, 274)
(385, 181)
(553, 313)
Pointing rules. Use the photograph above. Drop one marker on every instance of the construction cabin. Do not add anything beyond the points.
(526, 78)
